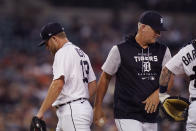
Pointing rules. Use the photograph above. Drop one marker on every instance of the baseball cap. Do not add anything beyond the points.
(153, 19)
(48, 30)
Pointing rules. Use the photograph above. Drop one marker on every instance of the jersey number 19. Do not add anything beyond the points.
(85, 70)
(84, 64)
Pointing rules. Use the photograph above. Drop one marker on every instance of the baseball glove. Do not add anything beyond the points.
(37, 124)
(175, 108)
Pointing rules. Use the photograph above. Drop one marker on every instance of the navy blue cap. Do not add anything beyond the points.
(49, 30)
(153, 19)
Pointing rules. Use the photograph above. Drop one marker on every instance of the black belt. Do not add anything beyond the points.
(57, 106)
(192, 77)
(193, 98)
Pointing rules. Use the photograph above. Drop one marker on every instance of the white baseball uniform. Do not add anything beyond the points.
(72, 63)
(184, 62)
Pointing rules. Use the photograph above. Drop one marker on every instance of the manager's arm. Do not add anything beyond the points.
(102, 87)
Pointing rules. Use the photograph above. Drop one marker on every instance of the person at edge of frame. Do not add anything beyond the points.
(183, 63)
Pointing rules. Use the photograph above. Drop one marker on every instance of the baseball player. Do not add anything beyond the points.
(137, 64)
(183, 62)
(73, 81)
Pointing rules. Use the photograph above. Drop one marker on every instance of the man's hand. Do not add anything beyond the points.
(99, 117)
(152, 102)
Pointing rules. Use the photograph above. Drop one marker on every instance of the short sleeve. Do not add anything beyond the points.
(61, 65)
(91, 76)
(167, 57)
(112, 62)
(175, 64)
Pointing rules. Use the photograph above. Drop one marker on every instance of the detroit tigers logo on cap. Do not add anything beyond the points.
(153, 19)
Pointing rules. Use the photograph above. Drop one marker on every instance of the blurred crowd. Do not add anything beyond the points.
(25, 69)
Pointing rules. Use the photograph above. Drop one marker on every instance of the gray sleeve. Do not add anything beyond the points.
(167, 57)
(112, 62)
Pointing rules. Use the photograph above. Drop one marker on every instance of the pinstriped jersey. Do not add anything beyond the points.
(72, 63)
(184, 62)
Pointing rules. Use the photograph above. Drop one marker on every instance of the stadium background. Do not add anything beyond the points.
(94, 25)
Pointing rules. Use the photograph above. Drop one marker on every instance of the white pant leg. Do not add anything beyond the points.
(128, 125)
(150, 126)
(76, 116)
(58, 128)
(191, 121)
(134, 125)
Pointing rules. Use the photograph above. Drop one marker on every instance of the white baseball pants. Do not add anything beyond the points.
(76, 116)
(134, 125)
(191, 121)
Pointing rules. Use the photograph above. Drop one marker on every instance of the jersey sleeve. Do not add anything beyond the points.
(91, 76)
(175, 64)
(61, 65)
(112, 62)
(166, 57)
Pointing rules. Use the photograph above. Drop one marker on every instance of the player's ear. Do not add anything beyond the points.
(141, 26)
(54, 39)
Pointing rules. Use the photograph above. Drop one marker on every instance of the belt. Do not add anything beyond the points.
(193, 99)
(192, 77)
(57, 106)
